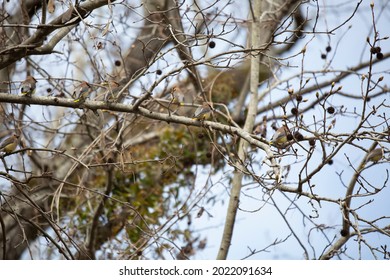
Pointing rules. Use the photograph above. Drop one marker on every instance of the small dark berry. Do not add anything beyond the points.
(379, 55)
(289, 137)
(208, 155)
(299, 98)
(298, 136)
(344, 232)
(158, 72)
(373, 50)
(312, 142)
(48, 90)
(330, 162)
(378, 49)
(330, 110)
(294, 111)
(323, 56)
(117, 63)
(328, 48)
(368, 99)
(212, 44)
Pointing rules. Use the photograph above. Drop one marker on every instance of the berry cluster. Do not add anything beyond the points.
(377, 51)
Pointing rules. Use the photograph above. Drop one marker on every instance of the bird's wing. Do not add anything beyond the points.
(6, 142)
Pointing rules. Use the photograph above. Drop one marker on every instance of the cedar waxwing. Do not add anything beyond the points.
(260, 129)
(9, 144)
(81, 92)
(203, 112)
(27, 87)
(178, 96)
(375, 155)
(112, 88)
(280, 136)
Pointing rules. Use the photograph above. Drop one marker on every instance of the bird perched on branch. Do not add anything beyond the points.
(280, 137)
(9, 144)
(375, 155)
(178, 96)
(81, 92)
(203, 112)
(112, 88)
(27, 87)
